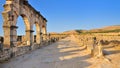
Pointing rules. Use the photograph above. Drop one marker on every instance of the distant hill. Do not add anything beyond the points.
(99, 30)
(53, 33)
(107, 29)
(71, 32)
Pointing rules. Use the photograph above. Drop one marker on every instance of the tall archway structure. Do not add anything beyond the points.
(15, 8)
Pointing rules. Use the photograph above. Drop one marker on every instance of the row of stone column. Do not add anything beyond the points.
(10, 37)
(92, 44)
(43, 38)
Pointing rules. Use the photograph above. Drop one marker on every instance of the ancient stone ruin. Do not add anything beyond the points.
(12, 45)
(15, 8)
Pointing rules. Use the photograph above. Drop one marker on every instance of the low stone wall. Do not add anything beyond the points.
(22, 50)
(13, 52)
(6, 54)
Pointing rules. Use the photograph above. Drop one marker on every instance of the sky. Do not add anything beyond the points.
(63, 15)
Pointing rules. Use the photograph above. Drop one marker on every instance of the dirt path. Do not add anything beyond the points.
(63, 54)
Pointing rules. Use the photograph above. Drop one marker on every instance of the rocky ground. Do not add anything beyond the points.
(66, 53)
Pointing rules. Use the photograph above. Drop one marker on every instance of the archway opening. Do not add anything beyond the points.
(34, 34)
(20, 31)
(37, 31)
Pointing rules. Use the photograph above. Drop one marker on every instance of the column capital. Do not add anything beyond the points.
(29, 30)
(14, 27)
(10, 26)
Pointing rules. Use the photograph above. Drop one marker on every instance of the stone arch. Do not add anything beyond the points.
(10, 30)
(15, 8)
(29, 31)
(26, 21)
(24, 38)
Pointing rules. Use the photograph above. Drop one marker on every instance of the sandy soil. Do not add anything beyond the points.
(66, 53)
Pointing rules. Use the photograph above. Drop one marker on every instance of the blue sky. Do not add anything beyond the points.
(63, 15)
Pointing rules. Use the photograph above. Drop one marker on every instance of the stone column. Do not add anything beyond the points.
(38, 34)
(44, 33)
(99, 49)
(38, 38)
(29, 37)
(10, 36)
(44, 30)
